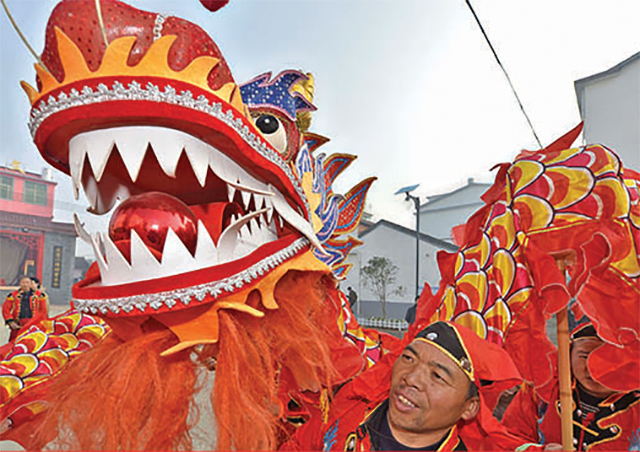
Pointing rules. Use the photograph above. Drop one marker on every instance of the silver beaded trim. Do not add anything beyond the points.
(151, 92)
(186, 295)
(157, 27)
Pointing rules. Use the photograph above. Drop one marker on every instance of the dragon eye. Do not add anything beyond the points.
(267, 124)
(273, 130)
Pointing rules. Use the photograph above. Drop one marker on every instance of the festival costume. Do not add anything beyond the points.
(227, 247)
(12, 311)
(504, 283)
(250, 227)
(609, 423)
(356, 409)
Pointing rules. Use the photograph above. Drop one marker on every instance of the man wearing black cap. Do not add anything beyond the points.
(603, 419)
(429, 397)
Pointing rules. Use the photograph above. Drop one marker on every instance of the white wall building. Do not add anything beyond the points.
(610, 108)
(398, 244)
(442, 212)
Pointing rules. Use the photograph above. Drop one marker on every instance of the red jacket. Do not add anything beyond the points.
(11, 307)
(346, 424)
(615, 424)
(353, 428)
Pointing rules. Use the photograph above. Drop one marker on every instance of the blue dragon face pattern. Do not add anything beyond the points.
(280, 104)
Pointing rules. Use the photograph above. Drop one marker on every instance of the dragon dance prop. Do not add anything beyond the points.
(504, 283)
(226, 244)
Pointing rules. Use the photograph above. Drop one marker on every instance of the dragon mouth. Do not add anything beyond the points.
(234, 213)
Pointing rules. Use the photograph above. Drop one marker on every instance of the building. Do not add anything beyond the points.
(610, 108)
(442, 212)
(397, 244)
(31, 243)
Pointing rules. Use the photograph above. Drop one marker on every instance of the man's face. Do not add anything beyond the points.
(580, 351)
(25, 284)
(428, 395)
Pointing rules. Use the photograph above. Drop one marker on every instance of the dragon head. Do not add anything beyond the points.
(213, 188)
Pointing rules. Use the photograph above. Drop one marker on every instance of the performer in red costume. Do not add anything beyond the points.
(23, 306)
(437, 395)
(603, 419)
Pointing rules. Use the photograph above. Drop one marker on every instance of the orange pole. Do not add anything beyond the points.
(564, 374)
(564, 365)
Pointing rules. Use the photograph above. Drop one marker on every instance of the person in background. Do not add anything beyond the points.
(352, 296)
(410, 315)
(23, 306)
(602, 419)
(37, 287)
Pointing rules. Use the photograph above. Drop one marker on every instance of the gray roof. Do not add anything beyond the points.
(424, 237)
(437, 198)
(617, 68)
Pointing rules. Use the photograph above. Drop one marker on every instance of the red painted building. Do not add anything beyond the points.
(31, 243)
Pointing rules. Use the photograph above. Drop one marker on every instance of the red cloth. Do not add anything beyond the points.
(531, 418)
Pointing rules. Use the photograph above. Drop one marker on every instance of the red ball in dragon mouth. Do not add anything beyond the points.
(151, 215)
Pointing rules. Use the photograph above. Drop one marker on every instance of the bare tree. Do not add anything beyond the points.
(380, 276)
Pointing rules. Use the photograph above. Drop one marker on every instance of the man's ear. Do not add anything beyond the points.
(472, 406)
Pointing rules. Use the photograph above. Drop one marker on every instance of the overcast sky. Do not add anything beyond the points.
(409, 86)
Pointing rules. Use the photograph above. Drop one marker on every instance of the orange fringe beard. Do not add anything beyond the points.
(124, 395)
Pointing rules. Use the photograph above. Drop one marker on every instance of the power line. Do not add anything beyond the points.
(504, 71)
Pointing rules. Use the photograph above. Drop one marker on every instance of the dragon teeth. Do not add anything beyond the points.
(168, 145)
(240, 239)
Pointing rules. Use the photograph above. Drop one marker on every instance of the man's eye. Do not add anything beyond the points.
(407, 358)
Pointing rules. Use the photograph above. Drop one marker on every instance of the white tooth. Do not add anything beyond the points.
(98, 253)
(231, 191)
(233, 174)
(98, 145)
(206, 252)
(167, 147)
(77, 153)
(295, 220)
(267, 235)
(269, 212)
(116, 262)
(245, 235)
(143, 262)
(259, 201)
(247, 242)
(246, 199)
(256, 232)
(91, 192)
(82, 232)
(229, 237)
(175, 254)
(271, 225)
(122, 193)
(198, 153)
(132, 143)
